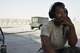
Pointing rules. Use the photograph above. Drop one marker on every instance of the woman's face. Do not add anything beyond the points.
(60, 12)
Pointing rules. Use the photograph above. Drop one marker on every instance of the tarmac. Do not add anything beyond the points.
(21, 39)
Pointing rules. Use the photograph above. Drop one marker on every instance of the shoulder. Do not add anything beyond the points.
(49, 24)
(46, 28)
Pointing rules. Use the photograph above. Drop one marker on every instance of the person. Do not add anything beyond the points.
(59, 30)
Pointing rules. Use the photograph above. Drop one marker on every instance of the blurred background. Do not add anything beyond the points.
(16, 22)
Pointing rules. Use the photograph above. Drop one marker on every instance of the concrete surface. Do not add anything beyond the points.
(21, 39)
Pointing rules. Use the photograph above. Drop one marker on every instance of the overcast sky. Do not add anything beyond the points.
(28, 8)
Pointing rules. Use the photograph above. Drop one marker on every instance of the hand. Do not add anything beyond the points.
(66, 21)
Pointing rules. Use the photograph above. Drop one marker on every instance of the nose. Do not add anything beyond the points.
(63, 14)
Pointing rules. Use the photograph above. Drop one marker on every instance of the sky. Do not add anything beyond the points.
(25, 9)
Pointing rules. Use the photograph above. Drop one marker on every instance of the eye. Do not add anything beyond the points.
(58, 12)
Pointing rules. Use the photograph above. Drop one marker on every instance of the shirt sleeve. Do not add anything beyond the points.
(45, 31)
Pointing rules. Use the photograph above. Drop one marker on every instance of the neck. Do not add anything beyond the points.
(56, 23)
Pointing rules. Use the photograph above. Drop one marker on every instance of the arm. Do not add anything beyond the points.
(72, 37)
(46, 43)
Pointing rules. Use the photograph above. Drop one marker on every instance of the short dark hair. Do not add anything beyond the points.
(53, 8)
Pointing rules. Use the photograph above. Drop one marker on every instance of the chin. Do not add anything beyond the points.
(58, 25)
